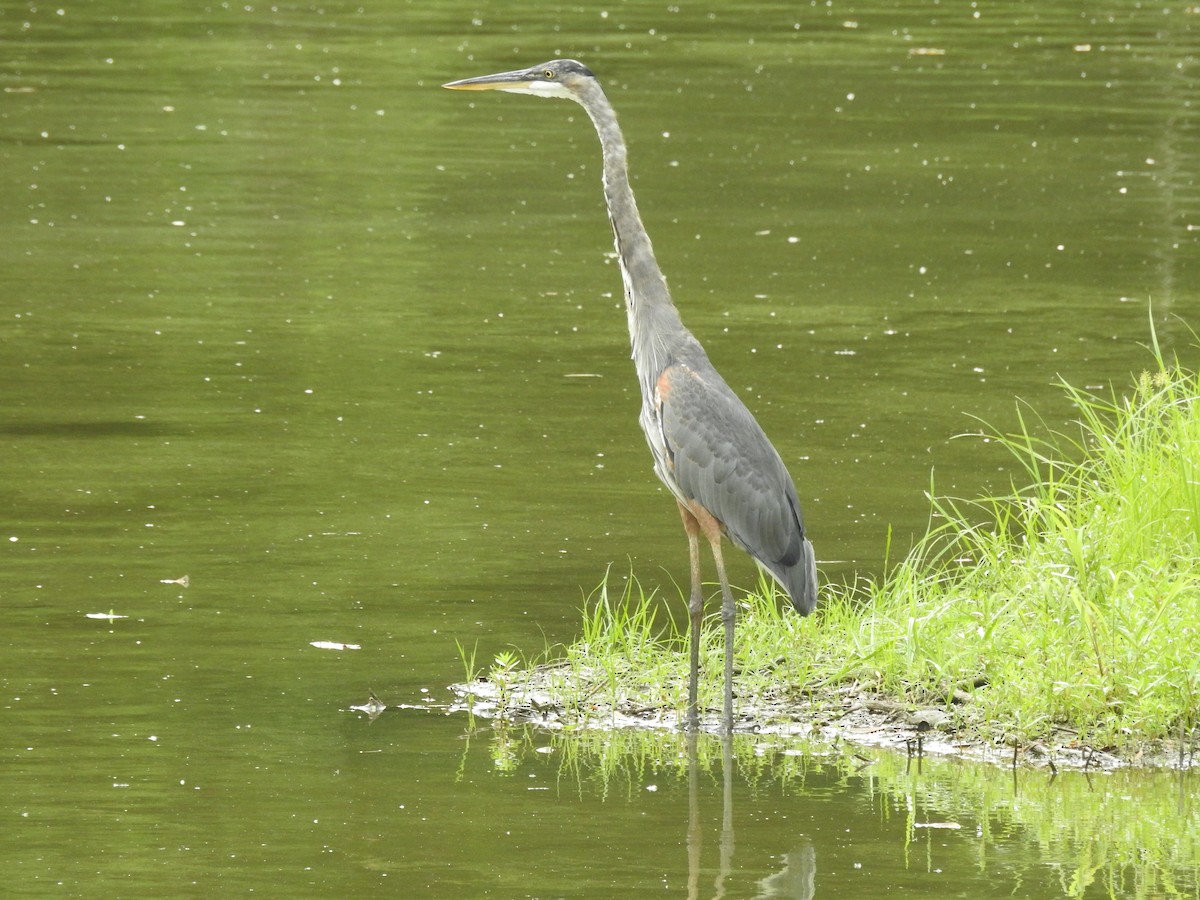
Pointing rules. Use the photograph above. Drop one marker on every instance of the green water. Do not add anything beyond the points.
(347, 351)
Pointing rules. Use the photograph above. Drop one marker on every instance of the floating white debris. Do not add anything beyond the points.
(334, 645)
(182, 582)
(951, 825)
(108, 615)
(374, 707)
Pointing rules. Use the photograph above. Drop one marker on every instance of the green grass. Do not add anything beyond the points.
(1068, 609)
(1073, 602)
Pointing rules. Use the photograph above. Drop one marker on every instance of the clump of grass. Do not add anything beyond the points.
(1071, 604)
(1068, 608)
(626, 660)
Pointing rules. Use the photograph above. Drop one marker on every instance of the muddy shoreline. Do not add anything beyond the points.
(843, 716)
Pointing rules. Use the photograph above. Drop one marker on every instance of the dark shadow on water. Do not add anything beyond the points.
(82, 430)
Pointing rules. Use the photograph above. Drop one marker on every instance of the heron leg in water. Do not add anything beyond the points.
(696, 521)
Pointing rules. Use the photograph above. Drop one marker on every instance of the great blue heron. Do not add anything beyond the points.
(708, 449)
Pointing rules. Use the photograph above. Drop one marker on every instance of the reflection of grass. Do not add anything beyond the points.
(1067, 610)
(627, 759)
(1128, 833)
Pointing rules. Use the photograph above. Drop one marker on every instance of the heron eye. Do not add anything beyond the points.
(549, 73)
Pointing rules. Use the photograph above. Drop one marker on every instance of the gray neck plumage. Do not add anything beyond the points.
(655, 330)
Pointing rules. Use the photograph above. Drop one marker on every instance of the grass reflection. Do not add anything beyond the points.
(1125, 833)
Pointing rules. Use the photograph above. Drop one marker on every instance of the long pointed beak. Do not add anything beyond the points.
(501, 81)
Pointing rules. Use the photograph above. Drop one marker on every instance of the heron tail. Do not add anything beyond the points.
(798, 580)
(803, 577)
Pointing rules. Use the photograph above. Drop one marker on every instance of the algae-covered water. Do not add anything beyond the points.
(281, 316)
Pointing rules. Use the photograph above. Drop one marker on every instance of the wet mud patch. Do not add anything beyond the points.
(843, 715)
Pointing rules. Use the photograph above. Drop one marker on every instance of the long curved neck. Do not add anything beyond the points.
(653, 319)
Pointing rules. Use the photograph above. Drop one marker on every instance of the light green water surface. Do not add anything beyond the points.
(347, 351)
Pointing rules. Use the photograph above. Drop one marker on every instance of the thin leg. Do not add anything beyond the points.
(698, 519)
(695, 614)
(728, 617)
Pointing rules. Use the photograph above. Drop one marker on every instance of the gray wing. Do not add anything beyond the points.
(720, 457)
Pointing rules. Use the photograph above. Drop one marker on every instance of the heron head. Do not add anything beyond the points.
(558, 78)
